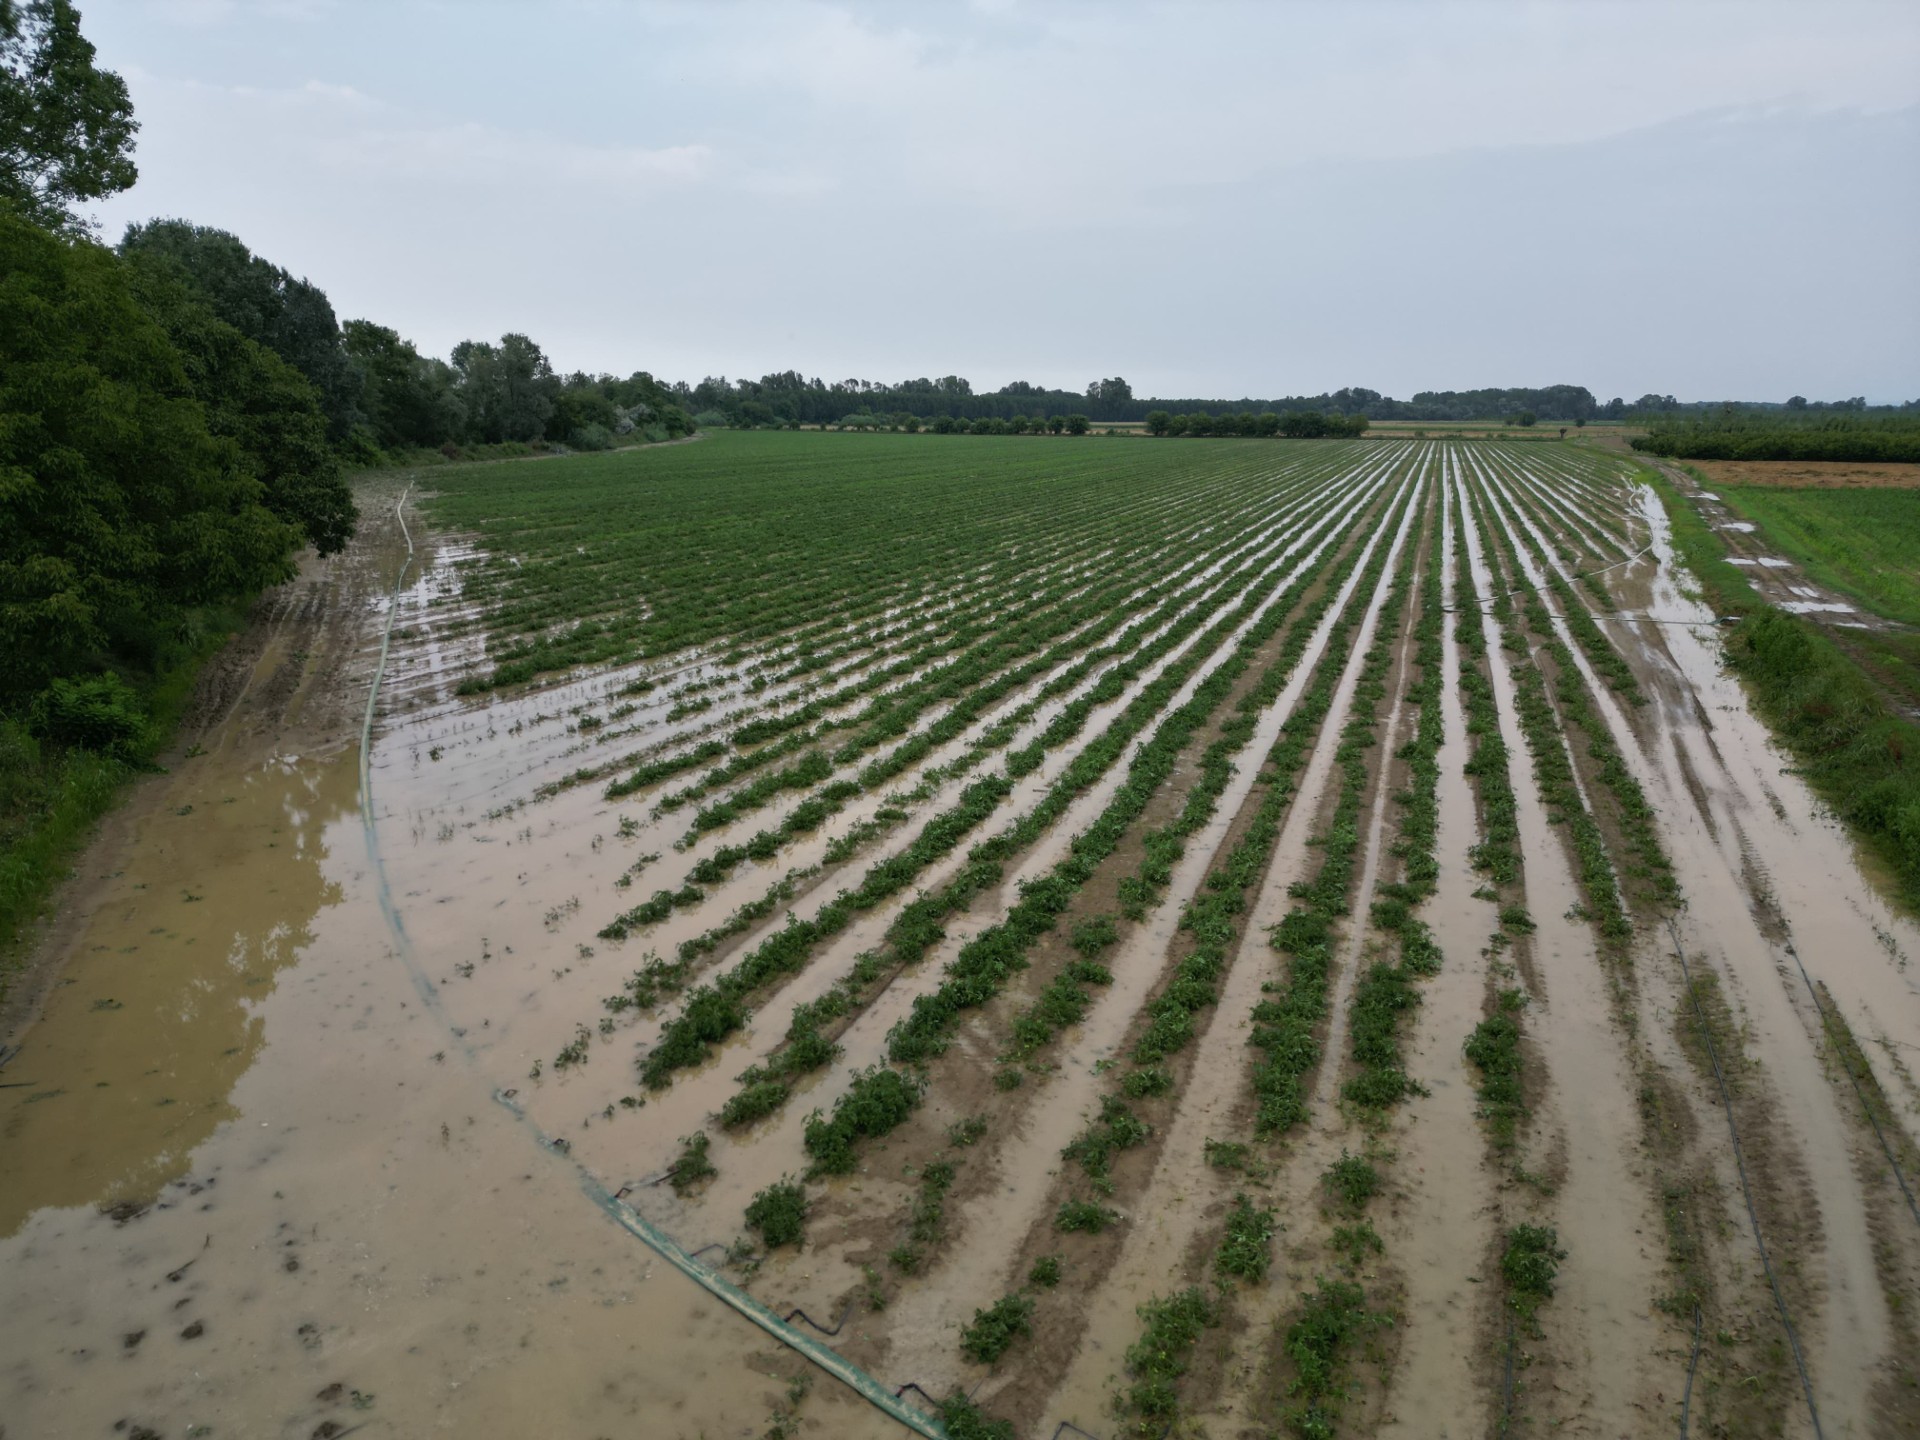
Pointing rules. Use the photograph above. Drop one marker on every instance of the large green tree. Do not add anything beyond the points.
(407, 398)
(119, 508)
(291, 317)
(66, 126)
(256, 399)
(510, 388)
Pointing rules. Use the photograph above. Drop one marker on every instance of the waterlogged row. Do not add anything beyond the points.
(1103, 725)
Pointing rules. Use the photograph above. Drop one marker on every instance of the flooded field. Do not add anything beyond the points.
(1259, 938)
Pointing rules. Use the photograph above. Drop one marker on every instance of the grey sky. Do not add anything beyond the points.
(1712, 200)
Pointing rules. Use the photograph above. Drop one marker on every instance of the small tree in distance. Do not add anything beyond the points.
(1077, 424)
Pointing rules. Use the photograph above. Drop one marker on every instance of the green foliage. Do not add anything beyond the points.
(1159, 1357)
(1351, 1181)
(1147, 1082)
(1319, 1341)
(963, 1133)
(256, 399)
(993, 1330)
(1085, 1216)
(1494, 1047)
(1862, 759)
(927, 1222)
(1529, 1265)
(1383, 994)
(779, 1213)
(963, 1420)
(693, 1166)
(1045, 1272)
(878, 1100)
(100, 713)
(1247, 1249)
(1227, 1154)
(1115, 1128)
(66, 126)
(119, 510)
(1092, 936)
(1354, 1243)
(1811, 436)
(292, 318)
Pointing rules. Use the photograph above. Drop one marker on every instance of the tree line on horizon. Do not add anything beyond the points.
(788, 398)
(1848, 433)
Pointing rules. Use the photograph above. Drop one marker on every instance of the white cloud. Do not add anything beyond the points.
(524, 161)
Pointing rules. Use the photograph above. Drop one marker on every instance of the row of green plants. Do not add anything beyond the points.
(1649, 864)
(1157, 1360)
(1386, 992)
(1287, 1020)
(951, 626)
(986, 962)
(1552, 766)
(917, 928)
(1166, 627)
(1042, 901)
(749, 535)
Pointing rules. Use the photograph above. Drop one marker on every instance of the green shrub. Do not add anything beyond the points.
(693, 1166)
(100, 712)
(779, 1213)
(1352, 1181)
(879, 1100)
(1084, 1215)
(1247, 1249)
(963, 1133)
(1318, 1341)
(1531, 1262)
(1045, 1272)
(1353, 1243)
(966, 1421)
(1090, 937)
(994, 1329)
(1159, 1356)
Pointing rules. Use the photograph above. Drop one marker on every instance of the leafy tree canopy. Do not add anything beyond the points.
(66, 126)
(119, 507)
(293, 318)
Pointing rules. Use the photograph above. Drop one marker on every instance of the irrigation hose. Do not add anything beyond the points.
(1746, 1187)
(617, 1210)
(1693, 1364)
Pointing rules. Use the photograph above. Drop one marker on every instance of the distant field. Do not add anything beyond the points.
(1808, 474)
(1864, 542)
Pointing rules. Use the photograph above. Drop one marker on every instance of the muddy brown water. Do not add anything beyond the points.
(250, 1185)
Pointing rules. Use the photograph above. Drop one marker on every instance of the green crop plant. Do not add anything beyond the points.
(1247, 1249)
(993, 1331)
(779, 1213)
(1160, 1356)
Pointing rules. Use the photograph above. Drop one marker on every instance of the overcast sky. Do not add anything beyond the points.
(1711, 200)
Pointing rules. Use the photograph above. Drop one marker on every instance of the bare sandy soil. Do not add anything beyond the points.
(263, 1179)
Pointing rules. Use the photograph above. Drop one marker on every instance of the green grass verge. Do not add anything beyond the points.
(1860, 542)
(1859, 756)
